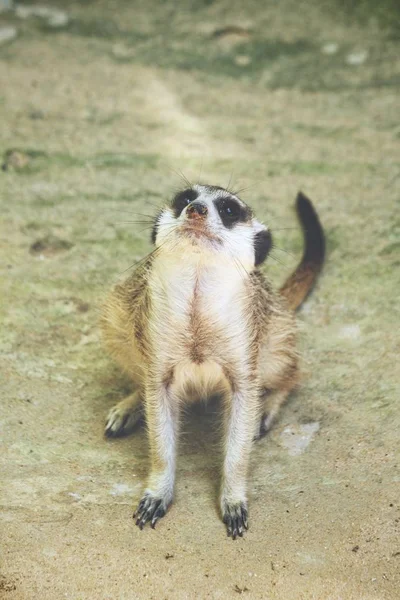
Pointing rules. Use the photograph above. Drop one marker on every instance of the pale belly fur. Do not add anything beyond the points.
(198, 322)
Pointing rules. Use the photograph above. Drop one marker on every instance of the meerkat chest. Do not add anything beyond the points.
(198, 301)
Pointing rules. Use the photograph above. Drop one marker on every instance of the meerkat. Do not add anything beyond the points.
(198, 318)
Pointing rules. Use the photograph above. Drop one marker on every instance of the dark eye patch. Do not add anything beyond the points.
(231, 212)
(182, 199)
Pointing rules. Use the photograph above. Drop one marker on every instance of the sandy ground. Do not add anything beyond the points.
(96, 115)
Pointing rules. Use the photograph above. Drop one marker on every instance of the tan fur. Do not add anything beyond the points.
(191, 323)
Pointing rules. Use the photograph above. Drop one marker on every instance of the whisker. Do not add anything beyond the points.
(134, 222)
(128, 212)
(181, 176)
(282, 250)
(244, 189)
(201, 165)
(156, 206)
(275, 218)
(149, 228)
(185, 178)
(277, 260)
(229, 182)
(238, 263)
(169, 228)
(151, 254)
(288, 229)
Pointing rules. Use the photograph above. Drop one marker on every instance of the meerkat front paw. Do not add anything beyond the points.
(150, 509)
(123, 417)
(235, 516)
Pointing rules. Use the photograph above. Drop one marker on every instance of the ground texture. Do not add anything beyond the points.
(99, 107)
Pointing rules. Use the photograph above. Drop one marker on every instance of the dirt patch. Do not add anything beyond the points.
(127, 95)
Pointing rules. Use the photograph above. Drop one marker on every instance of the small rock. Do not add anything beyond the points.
(357, 58)
(61, 379)
(7, 34)
(54, 17)
(58, 19)
(330, 48)
(75, 496)
(350, 332)
(242, 60)
(24, 11)
(120, 50)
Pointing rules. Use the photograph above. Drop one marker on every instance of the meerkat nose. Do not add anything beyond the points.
(196, 209)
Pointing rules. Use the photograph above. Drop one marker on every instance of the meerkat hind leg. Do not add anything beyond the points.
(123, 417)
(271, 403)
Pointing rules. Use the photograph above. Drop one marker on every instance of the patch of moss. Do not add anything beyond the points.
(390, 249)
(105, 29)
(112, 159)
(324, 131)
(386, 12)
(28, 161)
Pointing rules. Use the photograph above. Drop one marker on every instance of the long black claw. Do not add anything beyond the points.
(110, 433)
(150, 509)
(245, 518)
(236, 520)
(160, 512)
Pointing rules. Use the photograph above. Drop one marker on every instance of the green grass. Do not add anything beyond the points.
(39, 160)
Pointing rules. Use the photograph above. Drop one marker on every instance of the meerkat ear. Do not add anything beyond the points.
(262, 243)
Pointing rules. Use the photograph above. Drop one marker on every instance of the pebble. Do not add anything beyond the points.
(242, 60)
(7, 34)
(330, 48)
(55, 17)
(122, 51)
(357, 58)
(58, 19)
(350, 332)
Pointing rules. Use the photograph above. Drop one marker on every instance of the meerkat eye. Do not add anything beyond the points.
(229, 211)
(182, 199)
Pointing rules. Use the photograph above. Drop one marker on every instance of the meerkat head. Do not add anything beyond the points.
(212, 218)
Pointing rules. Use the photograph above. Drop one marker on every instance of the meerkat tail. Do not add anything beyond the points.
(300, 283)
